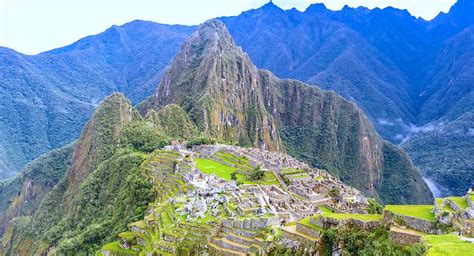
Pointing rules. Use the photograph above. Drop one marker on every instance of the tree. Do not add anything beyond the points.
(374, 207)
(256, 174)
(334, 192)
(233, 176)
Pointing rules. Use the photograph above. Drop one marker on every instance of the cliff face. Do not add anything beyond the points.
(229, 98)
(327, 131)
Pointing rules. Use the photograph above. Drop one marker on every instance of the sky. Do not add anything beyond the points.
(34, 26)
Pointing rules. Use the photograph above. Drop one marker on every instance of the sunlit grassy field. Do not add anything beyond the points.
(209, 166)
(448, 245)
(417, 211)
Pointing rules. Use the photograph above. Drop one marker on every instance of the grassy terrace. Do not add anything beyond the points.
(289, 171)
(448, 245)
(439, 202)
(460, 201)
(418, 211)
(115, 247)
(345, 216)
(306, 222)
(209, 166)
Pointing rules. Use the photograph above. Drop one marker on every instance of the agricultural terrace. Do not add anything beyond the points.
(418, 211)
(448, 245)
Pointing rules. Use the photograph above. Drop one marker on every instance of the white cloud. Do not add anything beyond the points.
(385, 122)
(470, 132)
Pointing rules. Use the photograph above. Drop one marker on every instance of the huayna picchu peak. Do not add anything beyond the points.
(214, 155)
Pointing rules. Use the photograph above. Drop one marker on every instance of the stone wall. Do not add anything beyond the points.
(251, 223)
(307, 231)
(411, 222)
(295, 237)
(366, 225)
(404, 238)
(452, 204)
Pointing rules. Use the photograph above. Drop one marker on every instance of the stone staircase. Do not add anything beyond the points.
(235, 241)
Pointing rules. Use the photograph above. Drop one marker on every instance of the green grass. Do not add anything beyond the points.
(139, 224)
(115, 247)
(307, 222)
(448, 245)
(417, 211)
(127, 235)
(325, 209)
(439, 202)
(269, 179)
(299, 176)
(460, 201)
(242, 161)
(209, 166)
(345, 216)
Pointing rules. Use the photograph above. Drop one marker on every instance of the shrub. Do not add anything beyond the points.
(200, 140)
(233, 176)
(334, 192)
(256, 174)
(374, 207)
(142, 137)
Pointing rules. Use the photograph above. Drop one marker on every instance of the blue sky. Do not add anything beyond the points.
(33, 26)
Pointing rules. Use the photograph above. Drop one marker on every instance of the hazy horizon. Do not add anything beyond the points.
(57, 23)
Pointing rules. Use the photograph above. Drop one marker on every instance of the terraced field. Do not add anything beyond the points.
(448, 245)
(461, 202)
(224, 164)
(418, 211)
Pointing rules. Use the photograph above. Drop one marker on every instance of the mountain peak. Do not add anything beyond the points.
(315, 8)
(211, 35)
(270, 6)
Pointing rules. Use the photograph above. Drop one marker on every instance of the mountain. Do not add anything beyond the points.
(121, 176)
(446, 89)
(388, 62)
(441, 152)
(101, 191)
(47, 98)
(407, 74)
(228, 98)
(340, 51)
(459, 17)
(443, 147)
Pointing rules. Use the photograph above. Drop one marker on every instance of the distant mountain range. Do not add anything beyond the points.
(413, 78)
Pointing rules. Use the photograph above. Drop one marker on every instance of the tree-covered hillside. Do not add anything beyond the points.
(47, 98)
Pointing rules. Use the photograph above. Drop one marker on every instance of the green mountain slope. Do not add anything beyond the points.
(444, 154)
(23, 194)
(442, 149)
(101, 191)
